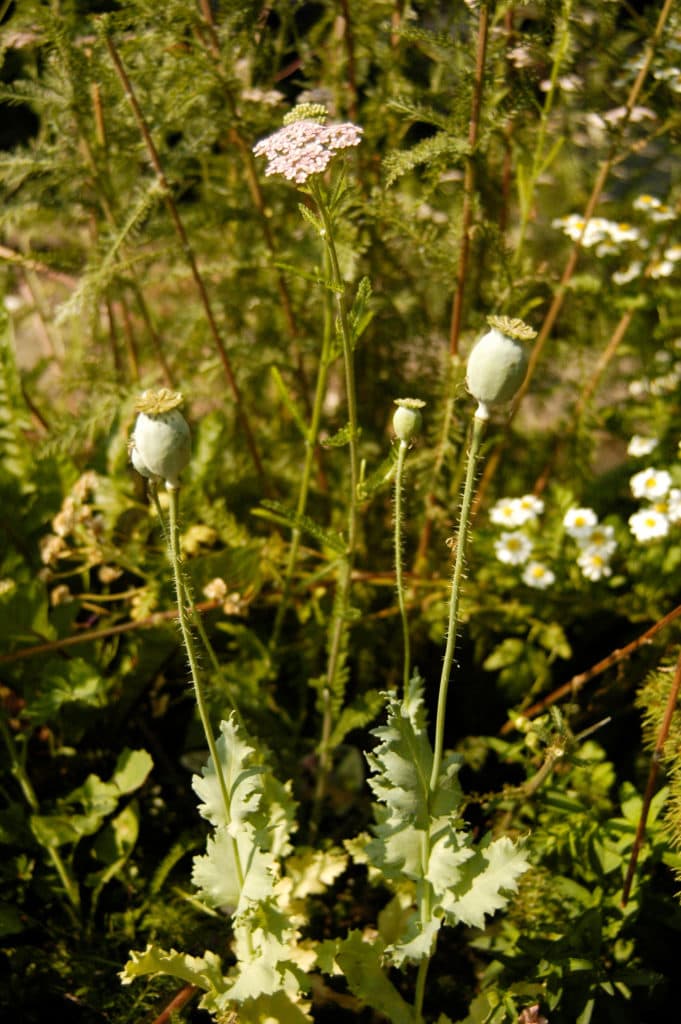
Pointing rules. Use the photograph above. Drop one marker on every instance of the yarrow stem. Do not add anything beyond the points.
(342, 601)
(303, 491)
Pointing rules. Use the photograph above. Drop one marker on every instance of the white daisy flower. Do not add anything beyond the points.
(629, 273)
(648, 524)
(594, 564)
(513, 548)
(579, 522)
(639, 388)
(673, 253)
(662, 213)
(506, 512)
(650, 483)
(538, 576)
(601, 540)
(673, 503)
(639, 445)
(623, 232)
(661, 268)
(646, 202)
(528, 507)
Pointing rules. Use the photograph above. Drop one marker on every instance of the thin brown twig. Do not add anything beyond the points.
(469, 180)
(652, 780)
(188, 252)
(90, 635)
(29, 263)
(574, 685)
(186, 993)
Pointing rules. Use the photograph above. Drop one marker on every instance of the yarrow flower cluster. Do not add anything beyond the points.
(664, 509)
(596, 542)
(514, 547)
(305, 145)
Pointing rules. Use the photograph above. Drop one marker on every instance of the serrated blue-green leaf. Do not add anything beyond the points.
(242, 779)
(205, 972)
(418, 941)
(402, 762)
(486, 881)
(449, 851)
(225, 880)
(281, 1007)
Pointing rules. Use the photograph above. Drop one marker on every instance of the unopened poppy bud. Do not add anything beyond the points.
(407, 419)
(498, 363)
(161, 444)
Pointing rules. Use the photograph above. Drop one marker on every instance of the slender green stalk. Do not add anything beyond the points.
(188, 640)
(20, 774)
(197, 621)
(473, 452)
(399, 581)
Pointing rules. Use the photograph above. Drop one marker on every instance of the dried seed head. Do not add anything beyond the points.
(153, 403)
(407, 419)
(497, 364)
(160, 445)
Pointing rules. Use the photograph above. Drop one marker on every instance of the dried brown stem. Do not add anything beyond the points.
(90, 635)
(28, 263)
(188, 253)
(469, 180)
(574, 685)
(652, 780)
(175, 1005)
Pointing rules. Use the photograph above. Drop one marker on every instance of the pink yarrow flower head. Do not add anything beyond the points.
(306, 144)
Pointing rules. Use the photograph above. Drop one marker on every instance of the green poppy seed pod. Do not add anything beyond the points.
(407, 419)
(498, 363)
(161, 443)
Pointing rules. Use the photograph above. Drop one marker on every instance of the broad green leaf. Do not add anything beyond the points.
(131, 771)
(363, 970)
(62, 683)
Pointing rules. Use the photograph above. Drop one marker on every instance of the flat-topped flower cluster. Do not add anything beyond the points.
(305, 146)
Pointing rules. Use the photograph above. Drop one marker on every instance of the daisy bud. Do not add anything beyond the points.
(407, 419)
(498, 363)
(161, 445)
